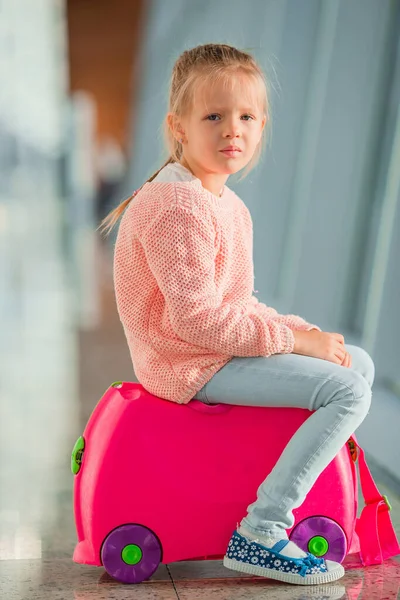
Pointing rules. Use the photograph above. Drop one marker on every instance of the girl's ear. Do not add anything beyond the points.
(175, 126)
(170, 122)
(264, 121)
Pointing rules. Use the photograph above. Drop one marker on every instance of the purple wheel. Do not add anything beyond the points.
(321, 536)
(131, 553)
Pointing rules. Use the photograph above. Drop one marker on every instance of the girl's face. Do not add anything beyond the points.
(221, 118)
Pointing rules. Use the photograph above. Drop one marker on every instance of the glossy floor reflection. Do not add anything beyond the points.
(47, 394)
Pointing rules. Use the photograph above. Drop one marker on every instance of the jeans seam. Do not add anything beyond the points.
(205, 394)
(300, 474)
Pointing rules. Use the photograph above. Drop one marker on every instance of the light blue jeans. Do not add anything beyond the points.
(340, 397)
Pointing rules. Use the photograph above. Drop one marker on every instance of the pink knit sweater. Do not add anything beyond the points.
(183, 275)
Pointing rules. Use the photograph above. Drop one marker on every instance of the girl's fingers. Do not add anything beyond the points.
(339, 358)
(347, 362)
(340, 352)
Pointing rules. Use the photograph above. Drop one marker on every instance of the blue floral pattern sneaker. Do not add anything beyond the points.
(251, 556)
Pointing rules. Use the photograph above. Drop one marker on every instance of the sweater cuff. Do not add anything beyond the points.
(284, 342)
(290, 341)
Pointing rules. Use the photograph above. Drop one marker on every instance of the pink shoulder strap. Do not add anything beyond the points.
(374, 527)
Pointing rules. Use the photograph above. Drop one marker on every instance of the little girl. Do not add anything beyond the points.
(183, 272)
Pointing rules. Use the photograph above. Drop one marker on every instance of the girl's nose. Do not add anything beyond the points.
(232, 129)
(233, 132)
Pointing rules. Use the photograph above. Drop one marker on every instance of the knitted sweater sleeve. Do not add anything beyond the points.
(180, 250)
(294, 322)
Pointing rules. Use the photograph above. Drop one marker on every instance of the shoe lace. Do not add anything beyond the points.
(309, 562)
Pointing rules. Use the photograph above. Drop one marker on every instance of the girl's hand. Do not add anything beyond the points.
(321, 344)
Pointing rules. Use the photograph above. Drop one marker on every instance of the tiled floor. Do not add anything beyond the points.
(47, 395)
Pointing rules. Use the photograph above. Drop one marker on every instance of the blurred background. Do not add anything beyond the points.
(84, 88)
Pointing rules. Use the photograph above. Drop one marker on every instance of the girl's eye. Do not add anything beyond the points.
(209, 117)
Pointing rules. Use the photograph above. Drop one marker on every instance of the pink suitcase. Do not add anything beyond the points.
(158, 482)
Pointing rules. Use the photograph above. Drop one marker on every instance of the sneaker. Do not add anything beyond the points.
(250, 556)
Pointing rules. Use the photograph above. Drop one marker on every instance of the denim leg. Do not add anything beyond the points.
(339, 396)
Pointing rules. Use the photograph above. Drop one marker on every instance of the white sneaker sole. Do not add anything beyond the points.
(316, 579)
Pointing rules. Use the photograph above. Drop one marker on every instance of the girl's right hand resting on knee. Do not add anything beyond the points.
(322, 344)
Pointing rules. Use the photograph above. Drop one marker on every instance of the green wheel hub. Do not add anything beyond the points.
(318, 545)
(77, 454)
(131, 554)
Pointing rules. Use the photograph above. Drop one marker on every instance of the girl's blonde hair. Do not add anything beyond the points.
(208, 63)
